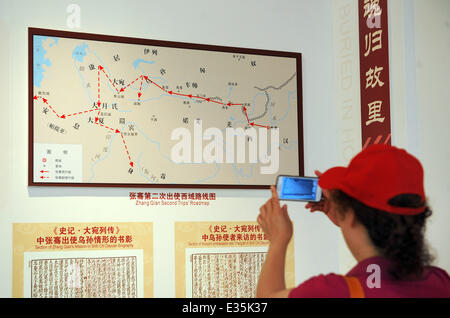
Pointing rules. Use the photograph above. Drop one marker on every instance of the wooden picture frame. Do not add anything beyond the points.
(32, 32)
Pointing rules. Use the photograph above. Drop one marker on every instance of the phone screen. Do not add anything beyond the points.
(298, 188)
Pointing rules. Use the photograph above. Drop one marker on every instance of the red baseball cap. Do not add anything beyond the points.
(377, 174)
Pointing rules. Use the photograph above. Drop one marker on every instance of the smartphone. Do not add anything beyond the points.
(299, 188)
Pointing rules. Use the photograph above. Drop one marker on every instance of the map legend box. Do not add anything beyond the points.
(58, 163)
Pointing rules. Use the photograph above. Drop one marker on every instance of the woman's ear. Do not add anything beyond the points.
(341, 216)
(347, 217)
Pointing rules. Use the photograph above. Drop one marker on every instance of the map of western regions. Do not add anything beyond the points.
(141, 114)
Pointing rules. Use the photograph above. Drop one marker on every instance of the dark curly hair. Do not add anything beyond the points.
(399, 238)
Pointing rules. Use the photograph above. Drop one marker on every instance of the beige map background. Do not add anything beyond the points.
(265, 84)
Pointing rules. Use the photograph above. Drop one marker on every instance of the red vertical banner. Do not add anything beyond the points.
(374, 72)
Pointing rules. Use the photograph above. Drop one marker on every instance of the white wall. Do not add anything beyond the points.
(420, 103)
(432, 54)
(302, 26)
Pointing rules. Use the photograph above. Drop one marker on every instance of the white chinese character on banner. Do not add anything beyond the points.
(373, 42)
(375, 112)
(372, 13)
(373, 77)
(371, 8)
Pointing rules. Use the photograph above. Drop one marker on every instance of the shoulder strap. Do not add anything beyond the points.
(354, 286)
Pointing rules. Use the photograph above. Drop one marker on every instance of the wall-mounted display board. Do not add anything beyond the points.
(222, 259)
(83, 260)
(118, 111)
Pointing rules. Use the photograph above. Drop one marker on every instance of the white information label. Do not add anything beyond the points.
(58, 163)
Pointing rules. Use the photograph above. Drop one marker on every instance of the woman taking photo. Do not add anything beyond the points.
(379, 204)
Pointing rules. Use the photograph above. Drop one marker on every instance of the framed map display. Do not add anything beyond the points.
(127, 112)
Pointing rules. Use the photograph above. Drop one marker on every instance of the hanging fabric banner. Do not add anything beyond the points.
(374, 72)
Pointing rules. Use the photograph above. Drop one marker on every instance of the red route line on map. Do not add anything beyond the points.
(126, 149)
(101, 68)
(140, 88)
(79, 113)
(98, 87)
(141, 77)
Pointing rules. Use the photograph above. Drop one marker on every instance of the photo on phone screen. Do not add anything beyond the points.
(299, 188)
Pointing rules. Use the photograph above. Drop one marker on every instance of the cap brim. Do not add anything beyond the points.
(331, 179)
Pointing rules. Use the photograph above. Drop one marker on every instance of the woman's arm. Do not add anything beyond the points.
(277, 226)
(271, 283)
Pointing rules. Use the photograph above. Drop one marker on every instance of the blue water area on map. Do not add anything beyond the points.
(139, 61)
(79, 52)
(39, 59)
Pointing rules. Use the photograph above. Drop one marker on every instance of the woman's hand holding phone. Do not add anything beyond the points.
(324, 204)
(275, 221)
(318, 206)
